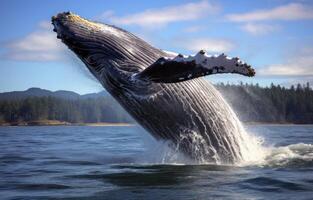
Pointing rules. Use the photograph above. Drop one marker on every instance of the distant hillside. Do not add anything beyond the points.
(38, 105)
(38, 92)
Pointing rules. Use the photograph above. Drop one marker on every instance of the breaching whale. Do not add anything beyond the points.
(165, 93)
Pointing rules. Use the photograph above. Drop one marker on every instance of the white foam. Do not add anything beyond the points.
(291, 155)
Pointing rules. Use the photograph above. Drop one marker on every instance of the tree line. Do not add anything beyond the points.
(274, 104)
(91, 110)
(252, 103)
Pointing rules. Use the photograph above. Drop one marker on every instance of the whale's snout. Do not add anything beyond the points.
(74, 30)
(58, 23)
(94, 43)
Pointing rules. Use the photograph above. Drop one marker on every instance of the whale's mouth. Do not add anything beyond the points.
(70, 27)
(86, 37)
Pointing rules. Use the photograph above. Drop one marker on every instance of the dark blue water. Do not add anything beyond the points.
(125, 163)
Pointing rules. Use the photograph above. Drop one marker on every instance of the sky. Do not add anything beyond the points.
(273, 36)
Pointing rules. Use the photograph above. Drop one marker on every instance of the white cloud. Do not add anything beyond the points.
(258, 29)
(193, 29)
(40, 45)
(154, 18)
(105, 15)
(292, 11)
(299, 65)
(210, 45)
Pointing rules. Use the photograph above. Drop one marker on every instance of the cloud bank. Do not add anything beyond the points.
(153, 18)
(297, 65)
(258, 29)
(207, 44)
(289, 12)
(40, 45)
(292, 11)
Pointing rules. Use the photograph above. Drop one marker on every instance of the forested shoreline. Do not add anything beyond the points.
(90, 110)
(252, 103)
(274, 104)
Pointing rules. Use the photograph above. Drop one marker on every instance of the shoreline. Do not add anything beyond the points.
(62, 123)
(273, 124)
(129, 124)
(104, 124)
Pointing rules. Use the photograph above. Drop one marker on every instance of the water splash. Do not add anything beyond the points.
(290, 156)
(232, 138)
(294, 155)
(249, 146)
(208, 129)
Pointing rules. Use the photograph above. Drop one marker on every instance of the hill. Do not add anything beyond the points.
(39, 106)
(38, 92)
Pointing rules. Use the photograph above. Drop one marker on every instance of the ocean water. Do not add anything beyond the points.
(79, 162)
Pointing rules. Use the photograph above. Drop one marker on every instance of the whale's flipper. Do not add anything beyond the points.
(180, 68)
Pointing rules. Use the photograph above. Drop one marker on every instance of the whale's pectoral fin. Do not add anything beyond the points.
(182, 68)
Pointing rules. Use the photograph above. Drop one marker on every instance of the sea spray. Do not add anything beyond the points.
(246, 147)
(160, 151)
(230, 135)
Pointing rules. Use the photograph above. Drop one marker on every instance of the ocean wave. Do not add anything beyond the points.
(294, 155)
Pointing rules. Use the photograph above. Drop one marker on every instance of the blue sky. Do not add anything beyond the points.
(275, 37)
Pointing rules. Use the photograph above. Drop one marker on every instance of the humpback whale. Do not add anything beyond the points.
(165, 93)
